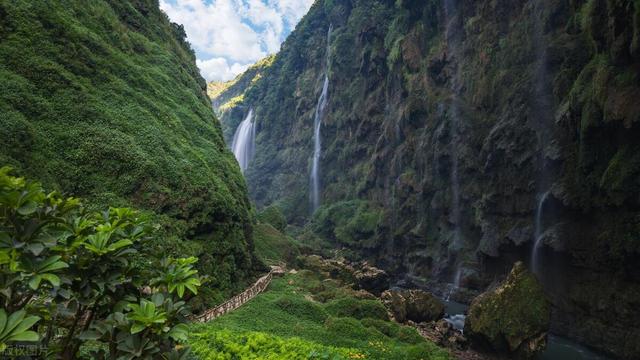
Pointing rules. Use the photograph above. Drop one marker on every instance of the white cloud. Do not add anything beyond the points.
(229, 35)
(219, 69)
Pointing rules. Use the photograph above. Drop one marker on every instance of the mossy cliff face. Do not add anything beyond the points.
(446, 124)
(103, 100)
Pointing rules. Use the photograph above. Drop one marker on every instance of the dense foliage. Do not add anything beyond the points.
(102, 99)
(304, 315)
(69, 275)
(274, 247)
(213, 344)
(273, 216)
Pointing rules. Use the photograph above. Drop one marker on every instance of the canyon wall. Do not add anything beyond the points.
(457, 133)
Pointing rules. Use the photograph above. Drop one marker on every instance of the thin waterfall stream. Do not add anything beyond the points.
(452, 35)
(542, 108)
(317, 124)
(538, 234)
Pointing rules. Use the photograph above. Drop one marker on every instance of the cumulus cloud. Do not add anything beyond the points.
(218, 69)
(229, 35)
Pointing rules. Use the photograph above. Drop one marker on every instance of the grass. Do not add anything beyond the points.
(290, 313)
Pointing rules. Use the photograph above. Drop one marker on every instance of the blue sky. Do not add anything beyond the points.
(230, 35)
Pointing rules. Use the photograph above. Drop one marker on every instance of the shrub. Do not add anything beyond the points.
(356, 308)
(73, 272)
(258, 345)
(273, 215)
(302, 309)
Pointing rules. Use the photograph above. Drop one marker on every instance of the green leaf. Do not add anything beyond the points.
(157, 299)
(51, 264)
(15, 327)
(35, 248)
(24, 336)
(34, 283)
(179, 332)
(89, 335)
(120, 244)
(3, 319)
(28, 208)
(52, 278)
(26, 323)
(137, 327)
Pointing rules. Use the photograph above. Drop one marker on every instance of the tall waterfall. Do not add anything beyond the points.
(452, 38)
(317, 124)
(542, 107)
(243, 145)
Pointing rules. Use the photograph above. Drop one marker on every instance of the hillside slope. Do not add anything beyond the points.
(457, 135)
(103, 100)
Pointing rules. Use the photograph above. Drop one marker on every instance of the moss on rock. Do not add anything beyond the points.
(414, 305)
(513, 318)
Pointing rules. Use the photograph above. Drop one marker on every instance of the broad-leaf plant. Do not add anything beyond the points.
(72, 282)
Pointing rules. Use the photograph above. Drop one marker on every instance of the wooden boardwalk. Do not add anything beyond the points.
(235, 302)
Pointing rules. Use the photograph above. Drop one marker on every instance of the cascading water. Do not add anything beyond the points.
(243, 145)
(542, 108)
(456, 283)
(535, 253)
(452, 39)
(317, 124)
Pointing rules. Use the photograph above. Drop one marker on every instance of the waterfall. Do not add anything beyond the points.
(538, 233)
(244, 141)
(452, 39)
(456, 283)
(542, 108)
(317, 124)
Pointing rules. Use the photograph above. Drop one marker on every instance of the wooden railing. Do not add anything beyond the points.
(235, 302)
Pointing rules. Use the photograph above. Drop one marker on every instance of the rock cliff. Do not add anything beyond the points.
(459, 136)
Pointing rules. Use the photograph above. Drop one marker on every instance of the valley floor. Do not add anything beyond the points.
(303, 316)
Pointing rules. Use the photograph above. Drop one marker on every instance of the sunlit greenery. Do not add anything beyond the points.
(305, 313)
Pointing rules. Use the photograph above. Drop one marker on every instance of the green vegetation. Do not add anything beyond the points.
(272, 246)
(103, 100)
(297, 316)
(273, 215)
(348, 223)
(70, 276)
(229, 95)
(512, 317)
(223, 344)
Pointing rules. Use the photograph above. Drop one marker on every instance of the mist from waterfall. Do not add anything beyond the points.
(317, 124)
(244, 139)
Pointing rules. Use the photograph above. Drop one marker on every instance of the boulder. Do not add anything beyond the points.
(413, 305)
(371, 279)
(332, 268)
(513, 318)
(442, 333)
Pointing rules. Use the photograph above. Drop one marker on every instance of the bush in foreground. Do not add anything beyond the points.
(69, 277)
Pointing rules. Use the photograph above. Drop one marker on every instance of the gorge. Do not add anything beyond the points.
(402, 179)
(460, 137)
